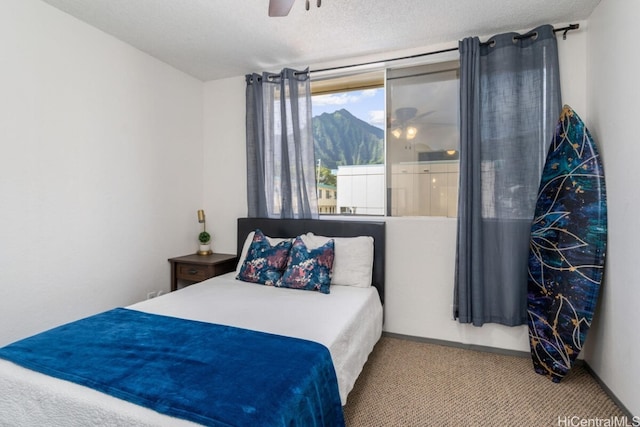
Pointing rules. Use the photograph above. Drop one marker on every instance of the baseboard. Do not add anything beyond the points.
(608, 391)
(578, 362)
(459, 345)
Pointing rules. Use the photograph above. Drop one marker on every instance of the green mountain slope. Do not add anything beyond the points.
(343, 139)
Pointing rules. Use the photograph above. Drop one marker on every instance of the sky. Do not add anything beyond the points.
(367, 105)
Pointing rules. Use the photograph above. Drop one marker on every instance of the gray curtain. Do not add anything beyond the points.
(509, 104)
(280, 155)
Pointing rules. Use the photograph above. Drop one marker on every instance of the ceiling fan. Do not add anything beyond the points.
(404, 122)
(282, 7)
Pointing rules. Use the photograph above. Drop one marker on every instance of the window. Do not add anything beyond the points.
(423, 140)
(420, 121)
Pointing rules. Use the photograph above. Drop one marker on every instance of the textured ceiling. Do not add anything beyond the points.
(212, 39)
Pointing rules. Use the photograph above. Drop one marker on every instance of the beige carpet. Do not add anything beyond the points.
(408, 383)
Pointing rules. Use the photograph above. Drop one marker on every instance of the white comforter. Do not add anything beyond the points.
(348, 322)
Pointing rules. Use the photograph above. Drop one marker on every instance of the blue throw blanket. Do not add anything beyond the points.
(210, 374)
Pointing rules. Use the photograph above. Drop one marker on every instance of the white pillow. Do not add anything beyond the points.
(353, 258)
(247, 243)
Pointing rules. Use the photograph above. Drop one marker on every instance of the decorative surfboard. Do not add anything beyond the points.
(567, 248)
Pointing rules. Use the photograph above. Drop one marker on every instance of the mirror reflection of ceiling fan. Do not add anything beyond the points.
(405, 121)
(282, 7)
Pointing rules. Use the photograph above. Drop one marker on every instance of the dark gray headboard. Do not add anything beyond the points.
(296, 227)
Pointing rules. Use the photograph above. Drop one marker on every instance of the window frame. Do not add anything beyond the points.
(376, 77)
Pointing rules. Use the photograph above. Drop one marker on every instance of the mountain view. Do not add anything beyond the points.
(343, 139)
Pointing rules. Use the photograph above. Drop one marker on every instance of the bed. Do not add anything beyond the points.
(327, 338)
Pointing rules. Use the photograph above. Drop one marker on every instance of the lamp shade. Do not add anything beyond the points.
(200, 216)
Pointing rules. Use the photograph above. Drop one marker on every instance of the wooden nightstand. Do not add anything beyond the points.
(196, 268)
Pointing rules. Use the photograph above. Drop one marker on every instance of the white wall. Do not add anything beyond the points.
(100, 169)
(225, 164)
(420, 251)
(614, 106)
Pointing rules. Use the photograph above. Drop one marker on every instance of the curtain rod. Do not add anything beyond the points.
(419, 55)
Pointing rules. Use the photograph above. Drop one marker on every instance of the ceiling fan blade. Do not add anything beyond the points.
(406, 113)
(280, 7)
(419, 118)
(428, 113)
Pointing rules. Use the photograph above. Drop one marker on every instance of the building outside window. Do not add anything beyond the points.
(326, 199)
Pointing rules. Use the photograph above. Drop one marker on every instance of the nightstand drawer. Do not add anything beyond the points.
(195, 268)
(194, 272)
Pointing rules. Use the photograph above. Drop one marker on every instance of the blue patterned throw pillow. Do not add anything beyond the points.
(308, 269)
(264, 263)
